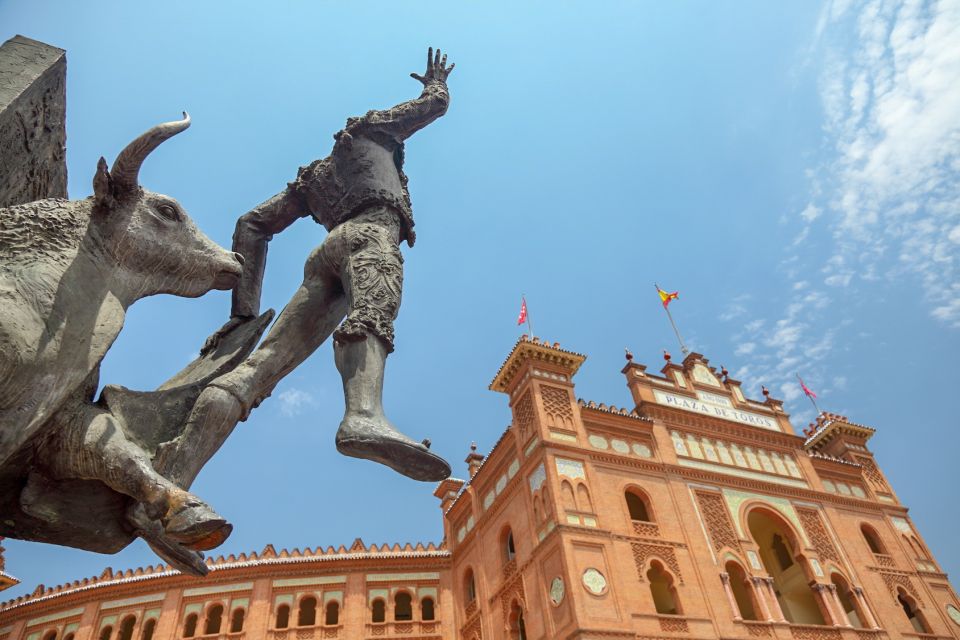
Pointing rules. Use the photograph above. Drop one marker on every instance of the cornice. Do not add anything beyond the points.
(527, 349)
(230, 570)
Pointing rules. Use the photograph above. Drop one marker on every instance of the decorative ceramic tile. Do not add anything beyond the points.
(537, 478)
(681, 382)
(901, 524)
(642, 450)
(513, 468)
(594, 581)
(557, 590)
(724, 454)
(702, 374)
(754, 560)
(488, 499)
(694, 447)
(678, 444)
(708, 449)
(597, 442)
(620, 446)
(817, 569)
(858, 491)
(570, 468)
(501, 483)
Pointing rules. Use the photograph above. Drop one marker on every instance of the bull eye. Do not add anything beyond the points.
(168, 211)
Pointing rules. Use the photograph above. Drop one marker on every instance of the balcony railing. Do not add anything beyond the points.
(394, 629)
(884, 560)
(646, 529)
(306, 633)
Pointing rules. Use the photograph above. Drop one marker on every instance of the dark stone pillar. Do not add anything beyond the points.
(33, 135)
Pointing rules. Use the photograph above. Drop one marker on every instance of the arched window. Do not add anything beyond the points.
(50, 635)
(583, 498)
(741, 591)
(777, 545)
(426, 610)
(566, 496)
(662, 590)
(126, 628)
(518, 630)
(283, 617)
(107, 631)
(847, 600)
(149, 627)
(189, 626)
(403, 607)
(332, 614)
(307, 613)
(917, 547)
(69, 636)
(214, 620)
(236, 620)
(917, 620)
(637, 507)
(873, 540)
(379, 611)
(469, 587)
(509, 549)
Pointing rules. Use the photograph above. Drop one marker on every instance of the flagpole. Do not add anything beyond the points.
(529, 324)
(800, 380)
(683, 347)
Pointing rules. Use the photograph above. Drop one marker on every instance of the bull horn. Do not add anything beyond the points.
(127, 165)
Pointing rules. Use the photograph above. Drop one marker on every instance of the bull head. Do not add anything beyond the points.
(149, 235)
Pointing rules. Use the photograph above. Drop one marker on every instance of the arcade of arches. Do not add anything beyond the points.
(696, 512)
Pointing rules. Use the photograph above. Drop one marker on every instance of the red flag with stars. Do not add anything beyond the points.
(523, 311)
(806, 389)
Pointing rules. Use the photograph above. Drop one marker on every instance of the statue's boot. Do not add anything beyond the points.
(365, 431)
(192, 523)
(181, 558)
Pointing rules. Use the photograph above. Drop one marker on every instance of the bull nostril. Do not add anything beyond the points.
(239, 258)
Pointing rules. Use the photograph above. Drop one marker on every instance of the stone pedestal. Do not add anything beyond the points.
(33, 133)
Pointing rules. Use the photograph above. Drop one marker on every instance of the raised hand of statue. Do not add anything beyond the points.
(437, 69)
(214, 340)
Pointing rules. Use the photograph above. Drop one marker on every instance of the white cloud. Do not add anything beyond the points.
(294, 401)
(891, 107)
(745, 348)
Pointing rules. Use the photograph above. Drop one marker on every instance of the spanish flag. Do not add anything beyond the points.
(665, 297)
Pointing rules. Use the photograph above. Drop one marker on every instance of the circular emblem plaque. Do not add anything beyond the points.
(954, 613)
(556, 591)
(594, 581)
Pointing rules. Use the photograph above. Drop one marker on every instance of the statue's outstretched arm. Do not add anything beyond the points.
(253, 231)
(405, 119)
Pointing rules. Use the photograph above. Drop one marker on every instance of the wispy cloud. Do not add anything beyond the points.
(294, 401)
(884, 201)
(892, 188)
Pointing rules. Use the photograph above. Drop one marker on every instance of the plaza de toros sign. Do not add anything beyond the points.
(711, 404)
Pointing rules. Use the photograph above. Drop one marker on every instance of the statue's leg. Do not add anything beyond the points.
(98, 449)
(307, 320)
(372, 276)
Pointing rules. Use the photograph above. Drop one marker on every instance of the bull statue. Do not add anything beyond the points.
(82, 472)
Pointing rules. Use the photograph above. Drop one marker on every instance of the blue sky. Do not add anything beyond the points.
(791, 168)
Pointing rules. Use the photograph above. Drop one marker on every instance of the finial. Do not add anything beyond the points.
(629, 355)
(723, 371)
(765, 391)
(666, 355)
(473, 447)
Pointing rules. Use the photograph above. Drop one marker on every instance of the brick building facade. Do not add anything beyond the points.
(699, 513)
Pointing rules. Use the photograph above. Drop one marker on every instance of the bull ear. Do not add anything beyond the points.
(102, 187)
